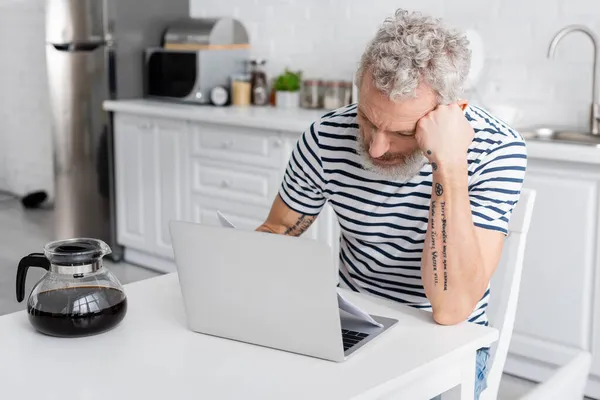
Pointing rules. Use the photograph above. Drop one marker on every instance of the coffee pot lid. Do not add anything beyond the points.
(77, 251)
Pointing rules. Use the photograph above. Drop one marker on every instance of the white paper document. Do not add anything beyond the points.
(343, 304)
(224, 221)
(350, 308)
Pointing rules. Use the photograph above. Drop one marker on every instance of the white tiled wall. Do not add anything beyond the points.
(325, 38)
(25, 138)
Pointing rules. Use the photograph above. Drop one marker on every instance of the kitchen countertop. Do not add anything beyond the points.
(289, 120)
(296, 121)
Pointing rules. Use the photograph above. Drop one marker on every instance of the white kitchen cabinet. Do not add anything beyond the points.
(555, 314)
(560, 258)
(173, 169)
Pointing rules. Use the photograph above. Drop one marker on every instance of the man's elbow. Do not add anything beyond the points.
(454, 316)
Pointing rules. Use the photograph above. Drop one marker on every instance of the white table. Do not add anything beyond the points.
(152, 355)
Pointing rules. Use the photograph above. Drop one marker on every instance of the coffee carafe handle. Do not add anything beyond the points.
(32, 260)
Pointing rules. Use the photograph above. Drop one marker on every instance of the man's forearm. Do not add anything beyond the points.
(301, 224)
(284, 221)
(452, 271)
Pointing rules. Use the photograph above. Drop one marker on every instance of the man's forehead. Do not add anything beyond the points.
(400, 117)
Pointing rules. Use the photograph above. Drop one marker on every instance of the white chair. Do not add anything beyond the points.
(505, 285)
(504, 294)
(567, 383)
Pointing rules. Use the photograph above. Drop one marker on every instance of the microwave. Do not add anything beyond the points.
(189, 75)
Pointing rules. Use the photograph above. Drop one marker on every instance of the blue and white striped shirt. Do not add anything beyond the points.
(383, 222)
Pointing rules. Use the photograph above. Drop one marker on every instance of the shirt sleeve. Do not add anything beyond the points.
(495, 186)
(302, 188)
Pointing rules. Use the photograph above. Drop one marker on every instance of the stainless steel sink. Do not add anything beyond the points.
(561, 136)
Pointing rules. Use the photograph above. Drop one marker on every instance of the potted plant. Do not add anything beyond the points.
(287, 89)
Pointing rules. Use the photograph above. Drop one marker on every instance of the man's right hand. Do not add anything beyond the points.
(283, 220)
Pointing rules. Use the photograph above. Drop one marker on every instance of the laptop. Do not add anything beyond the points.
(269, 290)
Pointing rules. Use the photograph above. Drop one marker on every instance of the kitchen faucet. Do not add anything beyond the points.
(595, 115)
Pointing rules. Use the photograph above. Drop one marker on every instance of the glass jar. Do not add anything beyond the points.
(241, 90)
(258, 82)
(312, 94)
(332, 95)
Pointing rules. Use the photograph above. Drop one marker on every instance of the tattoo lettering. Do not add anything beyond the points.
(434, 166)
(301, 225)
(428, 152)
(444, 243)
(439, 189)
(433, 251)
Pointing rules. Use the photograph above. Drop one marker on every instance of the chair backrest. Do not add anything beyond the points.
(504, 289)
(567, 383)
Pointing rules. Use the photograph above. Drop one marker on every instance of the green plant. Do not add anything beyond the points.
(289, 81)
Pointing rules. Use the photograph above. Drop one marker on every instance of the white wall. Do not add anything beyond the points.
(325, 38)
(25, 138)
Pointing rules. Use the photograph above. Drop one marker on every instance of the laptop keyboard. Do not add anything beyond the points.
(350, 338)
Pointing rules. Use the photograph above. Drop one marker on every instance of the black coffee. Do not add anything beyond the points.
(78, 311)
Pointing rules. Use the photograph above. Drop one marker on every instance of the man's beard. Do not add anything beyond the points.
(410, 164)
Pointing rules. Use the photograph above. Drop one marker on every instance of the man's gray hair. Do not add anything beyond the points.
(410, 48)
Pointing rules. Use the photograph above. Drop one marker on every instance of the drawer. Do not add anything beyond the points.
(243, 216)
(257, 186)
(245, 146)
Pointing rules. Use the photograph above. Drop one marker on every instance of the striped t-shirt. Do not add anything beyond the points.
(383, 222)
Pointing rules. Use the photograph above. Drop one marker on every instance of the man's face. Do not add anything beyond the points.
(384, 125)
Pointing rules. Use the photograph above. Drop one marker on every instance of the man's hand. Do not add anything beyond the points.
(444, 136)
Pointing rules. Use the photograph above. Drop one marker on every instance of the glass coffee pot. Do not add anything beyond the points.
(78, 296)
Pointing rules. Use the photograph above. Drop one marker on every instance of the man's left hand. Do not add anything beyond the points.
(444, 135)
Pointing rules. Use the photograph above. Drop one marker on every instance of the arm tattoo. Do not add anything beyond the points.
(434, 166)
(444, 242)
(439, 189)
(433, 251)
(301, 225)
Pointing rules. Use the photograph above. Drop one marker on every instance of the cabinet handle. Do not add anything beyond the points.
(225, 184)
(278, 143)
(145, 126)
(227, 145)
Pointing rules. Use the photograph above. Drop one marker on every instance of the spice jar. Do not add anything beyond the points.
(332, 96)
(345, 93)
(241, 89)
(312, 94)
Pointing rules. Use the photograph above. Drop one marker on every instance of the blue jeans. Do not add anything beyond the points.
(480, 372)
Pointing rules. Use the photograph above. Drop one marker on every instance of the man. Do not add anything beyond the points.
(423, 185)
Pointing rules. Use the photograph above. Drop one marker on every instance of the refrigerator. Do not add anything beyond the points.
(94, 52)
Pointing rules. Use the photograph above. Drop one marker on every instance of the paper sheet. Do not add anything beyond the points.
(224, 221)
(343, 304)
(350, 308)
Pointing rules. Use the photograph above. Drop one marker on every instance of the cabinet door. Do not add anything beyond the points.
(170, 177)
(554, 310)
(134, 175)
(595, 368)
(326, 229)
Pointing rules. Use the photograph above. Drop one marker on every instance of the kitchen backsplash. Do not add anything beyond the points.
(325, 38)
